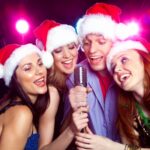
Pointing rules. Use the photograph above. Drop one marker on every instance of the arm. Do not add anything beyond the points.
(47, 120)
(79, 121)
(16, 129)
(85, 141)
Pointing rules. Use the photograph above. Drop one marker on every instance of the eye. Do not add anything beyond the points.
(101, 41)
(86, 45)
(124, 60)
(72, 46)
(40, 63)
(27, 68)
(58, 50)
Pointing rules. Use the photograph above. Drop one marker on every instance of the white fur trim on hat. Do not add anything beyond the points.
(17, 55)
(123, 46)
(47, 59)
(1, 71)
(101, 24)
(60, 36)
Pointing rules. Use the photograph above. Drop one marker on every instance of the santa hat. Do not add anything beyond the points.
(121, 46)
(100, 18)
(10, 57)
(52, 35)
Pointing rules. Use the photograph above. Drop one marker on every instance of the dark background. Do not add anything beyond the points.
(63, 11)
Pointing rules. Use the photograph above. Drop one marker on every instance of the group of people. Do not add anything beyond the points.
(43, 109)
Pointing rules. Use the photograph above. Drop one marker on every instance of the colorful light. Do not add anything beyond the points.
(133, 28)
(124, 31)
(22, 26)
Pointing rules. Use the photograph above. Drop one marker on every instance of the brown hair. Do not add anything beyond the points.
(126, 103)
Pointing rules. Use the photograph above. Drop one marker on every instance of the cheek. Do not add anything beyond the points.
(116, 79)
(24, 78)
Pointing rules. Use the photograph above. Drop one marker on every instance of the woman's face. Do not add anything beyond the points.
(128, 70)
(32, 75)
(65, 58)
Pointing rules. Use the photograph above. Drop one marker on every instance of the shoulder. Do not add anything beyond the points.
(18, 120)
(53, 92)
(18, 114)
(54, 97)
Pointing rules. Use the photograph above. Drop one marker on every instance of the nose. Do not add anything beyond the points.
(66, 53)
(93, 48)
(38, 70)
(117, 68)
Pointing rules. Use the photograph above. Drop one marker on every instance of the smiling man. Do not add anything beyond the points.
(96, 30)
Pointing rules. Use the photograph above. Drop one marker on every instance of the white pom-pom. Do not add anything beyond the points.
(121, 31)
(47, 59)
(1, 71)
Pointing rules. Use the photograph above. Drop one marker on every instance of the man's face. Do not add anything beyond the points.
(96, 48)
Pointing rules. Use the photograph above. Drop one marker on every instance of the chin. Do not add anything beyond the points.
(42, 91)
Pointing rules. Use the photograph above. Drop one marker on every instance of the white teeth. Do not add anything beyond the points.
(40, 80)
(96, 57)
(67, 62)
(124, 77)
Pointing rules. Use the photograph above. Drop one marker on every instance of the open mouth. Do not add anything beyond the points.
(124, 78)
(96, 59)
(40, 82)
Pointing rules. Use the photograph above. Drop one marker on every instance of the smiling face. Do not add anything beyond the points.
(32, 76)
(65, 58)
(96, 48)
(128, 71)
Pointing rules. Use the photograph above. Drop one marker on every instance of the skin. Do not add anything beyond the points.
(65, 59)
(128, 72)
(18, 119)
(96, 48)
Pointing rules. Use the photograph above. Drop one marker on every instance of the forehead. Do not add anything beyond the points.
(93, 36)
(29, 58)
(133, 54)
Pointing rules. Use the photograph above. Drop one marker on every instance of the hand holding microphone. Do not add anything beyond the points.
(80, 80)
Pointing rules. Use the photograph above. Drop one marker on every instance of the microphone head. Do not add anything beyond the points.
(80, 76)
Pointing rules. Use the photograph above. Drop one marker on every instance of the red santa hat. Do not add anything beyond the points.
(100, 18)
(52, 35)
(10, 57)
(125, 45)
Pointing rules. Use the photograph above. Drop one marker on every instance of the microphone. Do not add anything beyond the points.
(80, 76)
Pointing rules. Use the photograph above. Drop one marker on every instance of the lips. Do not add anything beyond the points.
(40, 82)
(96, 59)
(124, 78)
(68, 64)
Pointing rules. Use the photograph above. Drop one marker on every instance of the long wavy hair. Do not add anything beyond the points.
(126, 103)
(15, 90)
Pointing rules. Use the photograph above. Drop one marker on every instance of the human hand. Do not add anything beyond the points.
(79, 119)
(78, 97)
(89, 141)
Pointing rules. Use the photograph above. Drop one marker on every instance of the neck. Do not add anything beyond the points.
(104, 73)
(139, 94)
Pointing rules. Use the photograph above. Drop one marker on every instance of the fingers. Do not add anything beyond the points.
(88, 130)
(83, 142)
(80, 118)
(78, 97)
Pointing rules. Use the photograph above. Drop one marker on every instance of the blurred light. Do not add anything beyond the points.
(124, 31)
(133, 28)
(22, 26)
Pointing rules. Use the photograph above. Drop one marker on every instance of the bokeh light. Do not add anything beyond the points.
(22, 26)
